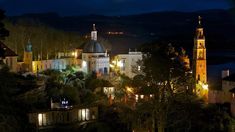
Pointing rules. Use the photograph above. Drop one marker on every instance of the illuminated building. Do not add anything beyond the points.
(128, 63)
(199, 62)
(94, 56)
(52, 118)
(39, 65)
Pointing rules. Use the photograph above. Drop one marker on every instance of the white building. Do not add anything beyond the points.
(128, 63)
(94, 57)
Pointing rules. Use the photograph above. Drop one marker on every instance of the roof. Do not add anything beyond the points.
(230, 78)
(8, 51)
(93, 47)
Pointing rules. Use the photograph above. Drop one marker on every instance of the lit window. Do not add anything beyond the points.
(44, 121)
(40, 119)
(83, 114)
(136, 98)
(138, 68)
(87, 114)
(141, 96)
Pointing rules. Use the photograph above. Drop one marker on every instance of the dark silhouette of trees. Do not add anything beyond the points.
(46, 41)
(3, 31)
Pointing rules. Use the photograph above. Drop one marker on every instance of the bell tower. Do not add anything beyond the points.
(199, 61)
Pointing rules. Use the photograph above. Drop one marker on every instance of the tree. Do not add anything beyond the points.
(3, 32)
(41, 36)
(164, 74)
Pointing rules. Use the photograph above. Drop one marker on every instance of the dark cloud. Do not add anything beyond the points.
(107, 7)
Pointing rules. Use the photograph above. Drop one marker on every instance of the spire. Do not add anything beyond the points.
(29, 46)
(199, 20)
(94, 33)
(199, 30)
(94, 29)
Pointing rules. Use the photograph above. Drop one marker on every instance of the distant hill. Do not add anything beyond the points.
(162, 27)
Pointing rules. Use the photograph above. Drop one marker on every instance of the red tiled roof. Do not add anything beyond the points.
(8, 51)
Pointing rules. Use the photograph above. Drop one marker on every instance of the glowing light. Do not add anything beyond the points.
(151, 95)
(83, 114)
(120, 64)
(138, 68)
(141, 96)
(84, 64)
(205, 86)
(87, 114)
(114, 62)
(73, 53)
(110, 65)
(136, 97)
(129, 89)
(40, 119)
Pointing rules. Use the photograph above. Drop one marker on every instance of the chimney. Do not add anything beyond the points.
(225, 73)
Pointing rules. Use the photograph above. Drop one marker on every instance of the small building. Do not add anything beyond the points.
(8, 56)
(128, 64)
(59, 117)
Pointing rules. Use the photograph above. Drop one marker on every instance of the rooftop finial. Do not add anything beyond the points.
(199, 20)
(29, 46)
(94, 29)
(94, 33)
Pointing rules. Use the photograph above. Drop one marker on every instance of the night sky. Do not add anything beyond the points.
(107, 7)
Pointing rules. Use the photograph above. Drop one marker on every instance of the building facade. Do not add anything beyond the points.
(128, 64)
(39, 65)
(52, 118)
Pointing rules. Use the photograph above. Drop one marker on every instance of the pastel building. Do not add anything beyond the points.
(39, 65)
(128, 64)
(8, 56)
(94, 56)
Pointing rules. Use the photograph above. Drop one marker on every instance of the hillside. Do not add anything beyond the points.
(163, 27)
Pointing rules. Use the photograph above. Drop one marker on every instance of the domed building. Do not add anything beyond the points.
(94, 56)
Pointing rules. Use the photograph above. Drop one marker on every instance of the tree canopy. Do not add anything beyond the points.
(3, 31)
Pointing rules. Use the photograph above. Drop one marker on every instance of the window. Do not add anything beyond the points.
(138, 68)
(42, 119)
(79, 115)
(105, 70)
(83, 114)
